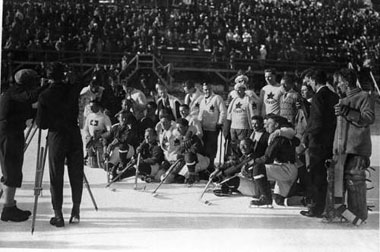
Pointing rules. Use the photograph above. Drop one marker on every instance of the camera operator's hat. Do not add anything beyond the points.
(240, 82)
(56, 71)
(25, 76)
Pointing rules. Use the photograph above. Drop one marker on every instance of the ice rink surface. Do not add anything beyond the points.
(175, 220)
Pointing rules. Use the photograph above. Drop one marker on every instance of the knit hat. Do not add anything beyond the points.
(241, 81)
(25, 76)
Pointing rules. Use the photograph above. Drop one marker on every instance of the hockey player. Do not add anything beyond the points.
(193, 121)
(152, 156)
(192, 97)
(356, 113)
(190, 148)
(212, 115)
(93, 91)
(122, 138)
(97, 123)
(270, 94)
(236, 173)
(239, 113)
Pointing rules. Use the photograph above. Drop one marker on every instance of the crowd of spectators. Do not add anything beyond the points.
(261, 29)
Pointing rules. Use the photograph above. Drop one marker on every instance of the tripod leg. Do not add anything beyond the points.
(89, 191)
(29, 129)
(29, 139)
(40, 166)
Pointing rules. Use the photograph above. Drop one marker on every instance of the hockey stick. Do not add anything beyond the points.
(129, 165)
(137, 170)
(374, 83)
(89, 191)
(204, 191)
(171, 168)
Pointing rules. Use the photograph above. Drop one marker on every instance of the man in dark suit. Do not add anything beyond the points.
(319, 139)
(259, 136)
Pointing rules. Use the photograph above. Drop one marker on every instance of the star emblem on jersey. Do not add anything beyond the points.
(94, 122)
(238, 105)
(270, 96)
(212, 108)
(197, 105)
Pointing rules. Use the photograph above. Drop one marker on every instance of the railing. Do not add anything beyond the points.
(180, 59)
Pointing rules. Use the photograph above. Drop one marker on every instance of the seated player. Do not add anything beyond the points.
(122, 139)
(151, 159)
(235, 175)
(96, 124)
(189, 148)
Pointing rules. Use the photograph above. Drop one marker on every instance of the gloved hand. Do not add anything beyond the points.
(142, 147)
(186, 144)
(245, 172)
(217, 175)
(341, 109)
(106, 156)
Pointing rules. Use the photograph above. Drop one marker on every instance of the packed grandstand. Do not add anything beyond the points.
(314, 31)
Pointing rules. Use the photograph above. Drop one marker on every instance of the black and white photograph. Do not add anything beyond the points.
(190, 125)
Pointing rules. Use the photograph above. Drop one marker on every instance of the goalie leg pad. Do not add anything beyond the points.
(355, 181)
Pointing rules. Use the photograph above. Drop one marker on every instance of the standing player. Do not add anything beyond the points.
(357, 113)
(192, 97)
(270, 94)
(289, 99)
(239, 113)
(212, 115)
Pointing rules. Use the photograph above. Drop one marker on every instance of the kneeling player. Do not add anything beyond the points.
(277, 164)
(122, 138)
(151, 157)
(236, 175)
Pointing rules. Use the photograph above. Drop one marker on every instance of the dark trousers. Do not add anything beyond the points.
(12, 157)
(65, 145)
(210, 141)
(318, 176)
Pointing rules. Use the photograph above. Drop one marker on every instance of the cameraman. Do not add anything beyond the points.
(58, 111)
(15, 109)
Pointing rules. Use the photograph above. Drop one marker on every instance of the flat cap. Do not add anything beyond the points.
(25, 76)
